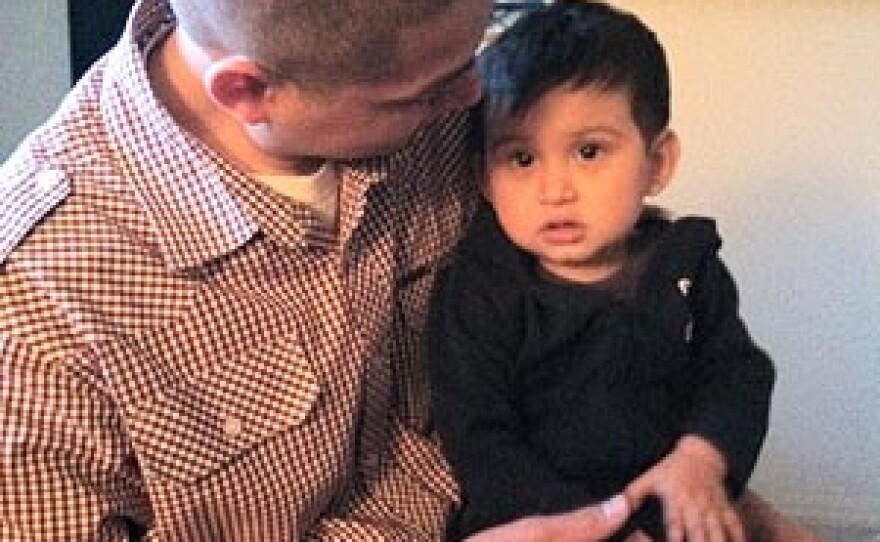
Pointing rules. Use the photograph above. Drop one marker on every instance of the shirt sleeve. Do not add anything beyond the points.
(735, 377)
(470, 347)
(62, 455)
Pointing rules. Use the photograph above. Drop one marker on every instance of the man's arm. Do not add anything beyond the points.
(62, 455)
(406, 494)
(764, 523)
(761, 521)
(588, 524)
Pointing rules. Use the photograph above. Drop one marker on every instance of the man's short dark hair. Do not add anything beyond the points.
(311, 41)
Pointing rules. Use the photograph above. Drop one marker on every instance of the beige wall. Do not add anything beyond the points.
(778, 106)
(34, 66)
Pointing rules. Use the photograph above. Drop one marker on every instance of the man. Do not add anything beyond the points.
(211, 290)
(214, 264)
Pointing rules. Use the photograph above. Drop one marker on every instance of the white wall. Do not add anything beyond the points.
(34, 65)
(778, 106)
(777, 103)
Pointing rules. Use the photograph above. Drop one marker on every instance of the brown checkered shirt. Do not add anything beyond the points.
(185, 355)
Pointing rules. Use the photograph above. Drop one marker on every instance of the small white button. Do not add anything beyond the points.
(684, 285)
(232, 426)
(48, 180)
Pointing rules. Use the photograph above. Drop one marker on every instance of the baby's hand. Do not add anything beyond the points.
(690, 483)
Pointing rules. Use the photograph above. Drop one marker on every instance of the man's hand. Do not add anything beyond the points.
(690, 483)
(588, 524)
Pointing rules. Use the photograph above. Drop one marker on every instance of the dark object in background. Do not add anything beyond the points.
(95, 25)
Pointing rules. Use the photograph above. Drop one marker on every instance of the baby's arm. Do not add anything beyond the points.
(731, 382)
(733, 377)
(689, 482)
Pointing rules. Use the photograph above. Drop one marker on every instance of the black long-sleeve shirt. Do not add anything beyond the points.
(549, 396)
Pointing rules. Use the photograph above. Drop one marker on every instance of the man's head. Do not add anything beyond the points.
(308, 41)
(581, 44)
(334, 78)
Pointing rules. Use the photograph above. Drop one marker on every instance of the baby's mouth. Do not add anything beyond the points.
(562, 231)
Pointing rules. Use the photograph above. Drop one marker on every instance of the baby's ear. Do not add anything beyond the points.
(663, 156)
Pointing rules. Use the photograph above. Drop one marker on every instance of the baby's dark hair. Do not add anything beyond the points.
(583, 44)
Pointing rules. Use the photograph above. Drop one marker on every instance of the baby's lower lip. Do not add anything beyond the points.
(562, 232)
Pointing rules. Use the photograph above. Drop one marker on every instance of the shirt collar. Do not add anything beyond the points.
(190, 193)
(179, 181)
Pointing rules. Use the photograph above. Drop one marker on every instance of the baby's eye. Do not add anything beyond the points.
(589, 151)
(521, 158)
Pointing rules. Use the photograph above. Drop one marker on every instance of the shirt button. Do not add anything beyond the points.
(48, 180)
(232, 426)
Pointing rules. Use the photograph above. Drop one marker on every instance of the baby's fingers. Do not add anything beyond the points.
(733, 526)
(697, 527)
(715, 525)
(713, 529)
(674, 521)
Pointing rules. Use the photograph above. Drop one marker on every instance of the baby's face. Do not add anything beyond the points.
(568, 178)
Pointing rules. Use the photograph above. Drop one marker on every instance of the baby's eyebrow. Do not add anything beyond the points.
(596, 130)
(506, 138)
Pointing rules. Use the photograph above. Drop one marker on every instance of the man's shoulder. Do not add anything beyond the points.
(76, 249)
(39, 175)
(442, 152)
(29, 191)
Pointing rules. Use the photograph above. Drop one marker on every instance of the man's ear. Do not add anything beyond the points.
(240, 86)
(663, 156)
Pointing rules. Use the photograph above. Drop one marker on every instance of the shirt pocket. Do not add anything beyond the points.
(196, 428)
